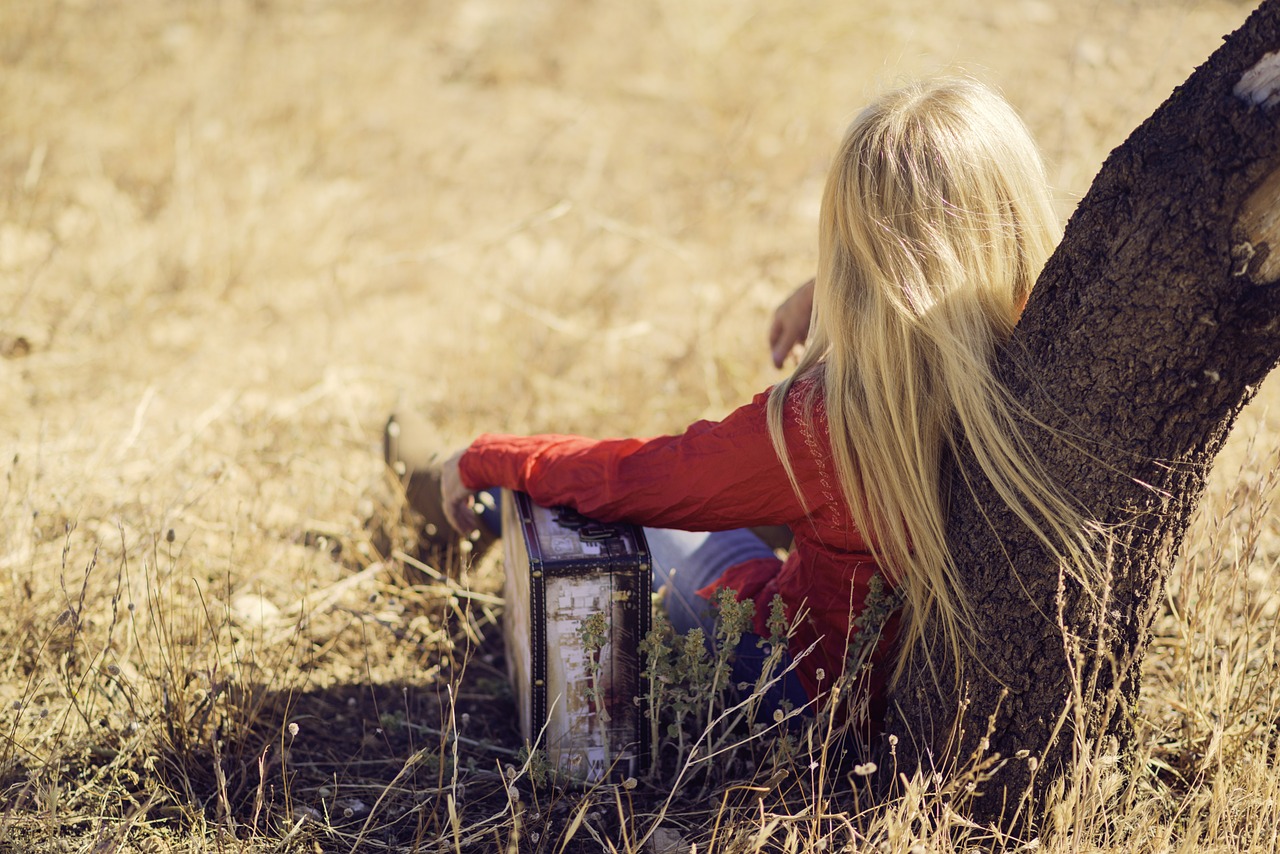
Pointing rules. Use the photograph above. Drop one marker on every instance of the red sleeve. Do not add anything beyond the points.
(715, 476)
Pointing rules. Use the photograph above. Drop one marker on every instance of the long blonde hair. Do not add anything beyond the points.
(936, 221)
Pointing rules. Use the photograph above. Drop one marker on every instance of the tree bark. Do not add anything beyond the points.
(1149, 329)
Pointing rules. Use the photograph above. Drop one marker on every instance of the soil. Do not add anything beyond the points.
(235, 235)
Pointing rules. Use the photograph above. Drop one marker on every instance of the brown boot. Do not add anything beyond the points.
(412, 456)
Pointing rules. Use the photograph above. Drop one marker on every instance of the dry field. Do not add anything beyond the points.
(234, 234)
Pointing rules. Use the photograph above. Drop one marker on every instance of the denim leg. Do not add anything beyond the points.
(748, 664)
(684, 563)
(489, 510)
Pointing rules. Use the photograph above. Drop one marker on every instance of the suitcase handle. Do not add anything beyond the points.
(587, 528)
(570, 518)
(596, 532)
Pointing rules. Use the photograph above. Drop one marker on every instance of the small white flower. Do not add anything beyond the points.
(293, 729)
(864, 769)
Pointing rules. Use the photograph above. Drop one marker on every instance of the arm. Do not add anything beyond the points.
(714, 476)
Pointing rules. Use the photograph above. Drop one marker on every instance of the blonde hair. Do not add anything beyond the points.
(936, 221)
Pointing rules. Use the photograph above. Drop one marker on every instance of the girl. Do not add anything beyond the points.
(935, 223)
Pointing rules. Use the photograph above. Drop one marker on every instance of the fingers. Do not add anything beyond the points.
(775, 328)
(781, 349)
(790, 327)
(784, 347)
(778, 347)
(461, 515)
(458, 501)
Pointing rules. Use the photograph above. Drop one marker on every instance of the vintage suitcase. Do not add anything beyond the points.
(579, 699)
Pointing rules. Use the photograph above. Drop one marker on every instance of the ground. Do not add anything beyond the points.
(234, 235)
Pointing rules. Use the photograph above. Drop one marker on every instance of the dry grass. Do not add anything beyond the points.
(234, 234)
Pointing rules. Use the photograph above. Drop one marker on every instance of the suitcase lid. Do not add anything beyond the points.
(561, 539)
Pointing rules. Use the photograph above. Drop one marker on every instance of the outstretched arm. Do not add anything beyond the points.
(714, 476)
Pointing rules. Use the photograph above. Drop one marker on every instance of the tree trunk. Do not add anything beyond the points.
(1149, 329)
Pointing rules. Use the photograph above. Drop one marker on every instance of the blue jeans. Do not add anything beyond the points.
(684, 562)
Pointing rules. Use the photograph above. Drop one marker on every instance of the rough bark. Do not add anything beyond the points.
(1148, 330)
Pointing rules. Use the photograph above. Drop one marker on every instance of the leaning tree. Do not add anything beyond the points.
(1148, 331)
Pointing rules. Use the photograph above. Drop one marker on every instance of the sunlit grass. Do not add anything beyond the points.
(234, 235)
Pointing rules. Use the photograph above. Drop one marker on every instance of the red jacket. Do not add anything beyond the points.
(716, 476)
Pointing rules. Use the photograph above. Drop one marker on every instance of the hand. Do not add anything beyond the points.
(458, 501)
(790, 325)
